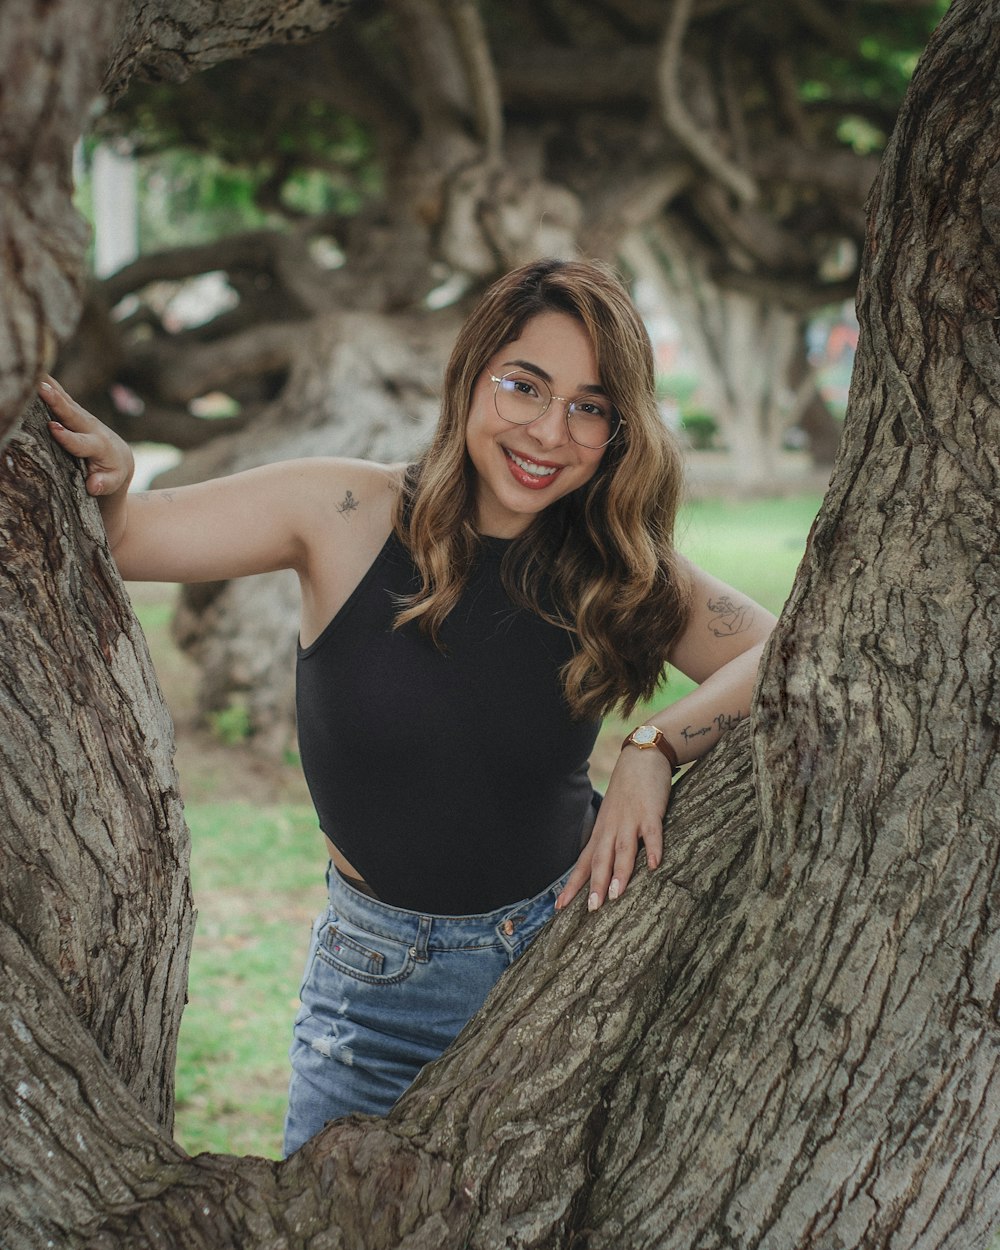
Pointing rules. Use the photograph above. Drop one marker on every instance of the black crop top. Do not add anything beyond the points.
(454, 782)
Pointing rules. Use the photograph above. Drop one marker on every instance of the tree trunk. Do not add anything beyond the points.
(750, 352)
(787, 1035)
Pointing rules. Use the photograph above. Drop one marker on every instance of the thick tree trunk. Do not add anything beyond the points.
(749, 349)
(787, 1035)
(94, 846)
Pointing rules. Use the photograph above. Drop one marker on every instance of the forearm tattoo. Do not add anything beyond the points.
(349, 505)
(729, 618)
(722, 722)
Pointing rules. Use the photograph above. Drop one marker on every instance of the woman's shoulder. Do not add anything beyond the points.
(331, 472)
(347, 509)
(326, 488)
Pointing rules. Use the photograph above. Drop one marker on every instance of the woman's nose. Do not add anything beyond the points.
(550, 429)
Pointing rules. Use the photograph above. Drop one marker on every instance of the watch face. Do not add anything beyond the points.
(644, 735)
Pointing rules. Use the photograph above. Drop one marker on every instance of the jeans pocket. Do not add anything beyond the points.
(365, 956)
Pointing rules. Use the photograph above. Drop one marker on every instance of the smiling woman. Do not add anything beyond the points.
(466, 623)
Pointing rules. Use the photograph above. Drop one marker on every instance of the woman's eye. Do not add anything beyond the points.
(522, 387)
(591, 407)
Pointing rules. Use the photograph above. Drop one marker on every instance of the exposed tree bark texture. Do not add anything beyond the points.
(54, 55)
(787, 1036)
(494, 1145)
(95, 849)
(889, 884)
(175, 39)
(51, 58)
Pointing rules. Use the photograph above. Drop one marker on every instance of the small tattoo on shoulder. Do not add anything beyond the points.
(730, 618)
(349, 505)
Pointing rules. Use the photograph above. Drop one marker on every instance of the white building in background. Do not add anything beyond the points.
(115, 193)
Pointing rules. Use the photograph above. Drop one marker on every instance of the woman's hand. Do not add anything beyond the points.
(632, 810)
(108, 458)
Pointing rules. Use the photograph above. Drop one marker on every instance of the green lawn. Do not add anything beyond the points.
(258, 884)
(258, 875)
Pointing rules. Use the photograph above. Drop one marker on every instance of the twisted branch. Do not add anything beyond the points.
(678, 120)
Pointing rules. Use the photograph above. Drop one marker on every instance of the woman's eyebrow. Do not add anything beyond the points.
(589, 388)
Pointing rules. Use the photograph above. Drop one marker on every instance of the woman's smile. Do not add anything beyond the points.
(529, 471)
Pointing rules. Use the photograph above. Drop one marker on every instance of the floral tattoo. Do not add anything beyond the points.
(349, 505)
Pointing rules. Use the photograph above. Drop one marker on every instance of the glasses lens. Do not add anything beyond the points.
(521, 398)
(593, 421)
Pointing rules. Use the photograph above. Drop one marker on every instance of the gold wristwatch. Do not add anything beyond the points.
(646, 736)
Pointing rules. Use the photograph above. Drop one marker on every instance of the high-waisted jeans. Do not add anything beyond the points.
(385, 991)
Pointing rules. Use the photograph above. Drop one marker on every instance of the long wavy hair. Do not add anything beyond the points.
(600, 562)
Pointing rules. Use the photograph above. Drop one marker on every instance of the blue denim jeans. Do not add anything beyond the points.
(385, 991)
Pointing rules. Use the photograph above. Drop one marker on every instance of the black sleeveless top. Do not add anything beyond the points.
(454, 782)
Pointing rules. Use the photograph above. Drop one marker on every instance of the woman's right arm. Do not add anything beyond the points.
(251, 522)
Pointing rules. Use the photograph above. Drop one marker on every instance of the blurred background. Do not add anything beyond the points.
(283, 249)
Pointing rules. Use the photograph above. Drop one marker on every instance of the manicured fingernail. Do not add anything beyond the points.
(56, 425)
(45, 386)
(615, 888)
(593, 902)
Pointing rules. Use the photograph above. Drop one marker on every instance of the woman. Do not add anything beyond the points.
(465, 623)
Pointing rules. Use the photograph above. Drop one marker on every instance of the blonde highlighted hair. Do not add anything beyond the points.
(599, 562)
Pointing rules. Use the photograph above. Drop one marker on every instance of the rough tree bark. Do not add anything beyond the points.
(787, 1035)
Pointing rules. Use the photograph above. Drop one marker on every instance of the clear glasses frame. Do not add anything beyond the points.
(563, 399)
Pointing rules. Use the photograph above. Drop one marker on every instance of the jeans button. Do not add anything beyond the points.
(508, 928)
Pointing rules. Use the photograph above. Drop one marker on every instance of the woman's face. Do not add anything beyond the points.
(521, 469)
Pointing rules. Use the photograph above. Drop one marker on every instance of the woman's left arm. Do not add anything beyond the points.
(720, 648)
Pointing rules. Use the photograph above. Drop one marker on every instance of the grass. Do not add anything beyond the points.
(257, 867)
(258, 885)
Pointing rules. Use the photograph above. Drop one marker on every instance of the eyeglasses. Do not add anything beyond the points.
(520, 398)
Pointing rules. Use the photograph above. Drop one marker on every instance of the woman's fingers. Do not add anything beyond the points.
(606, 863)
(577, 878)
(65, 409)
(109, 459)
(608, 860)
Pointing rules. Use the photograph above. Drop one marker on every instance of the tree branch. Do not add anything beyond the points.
(176, 376)
(786, 96)
(843, 175)
(484, 90)
(51, 58)
(702, 146)
(171, 42)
